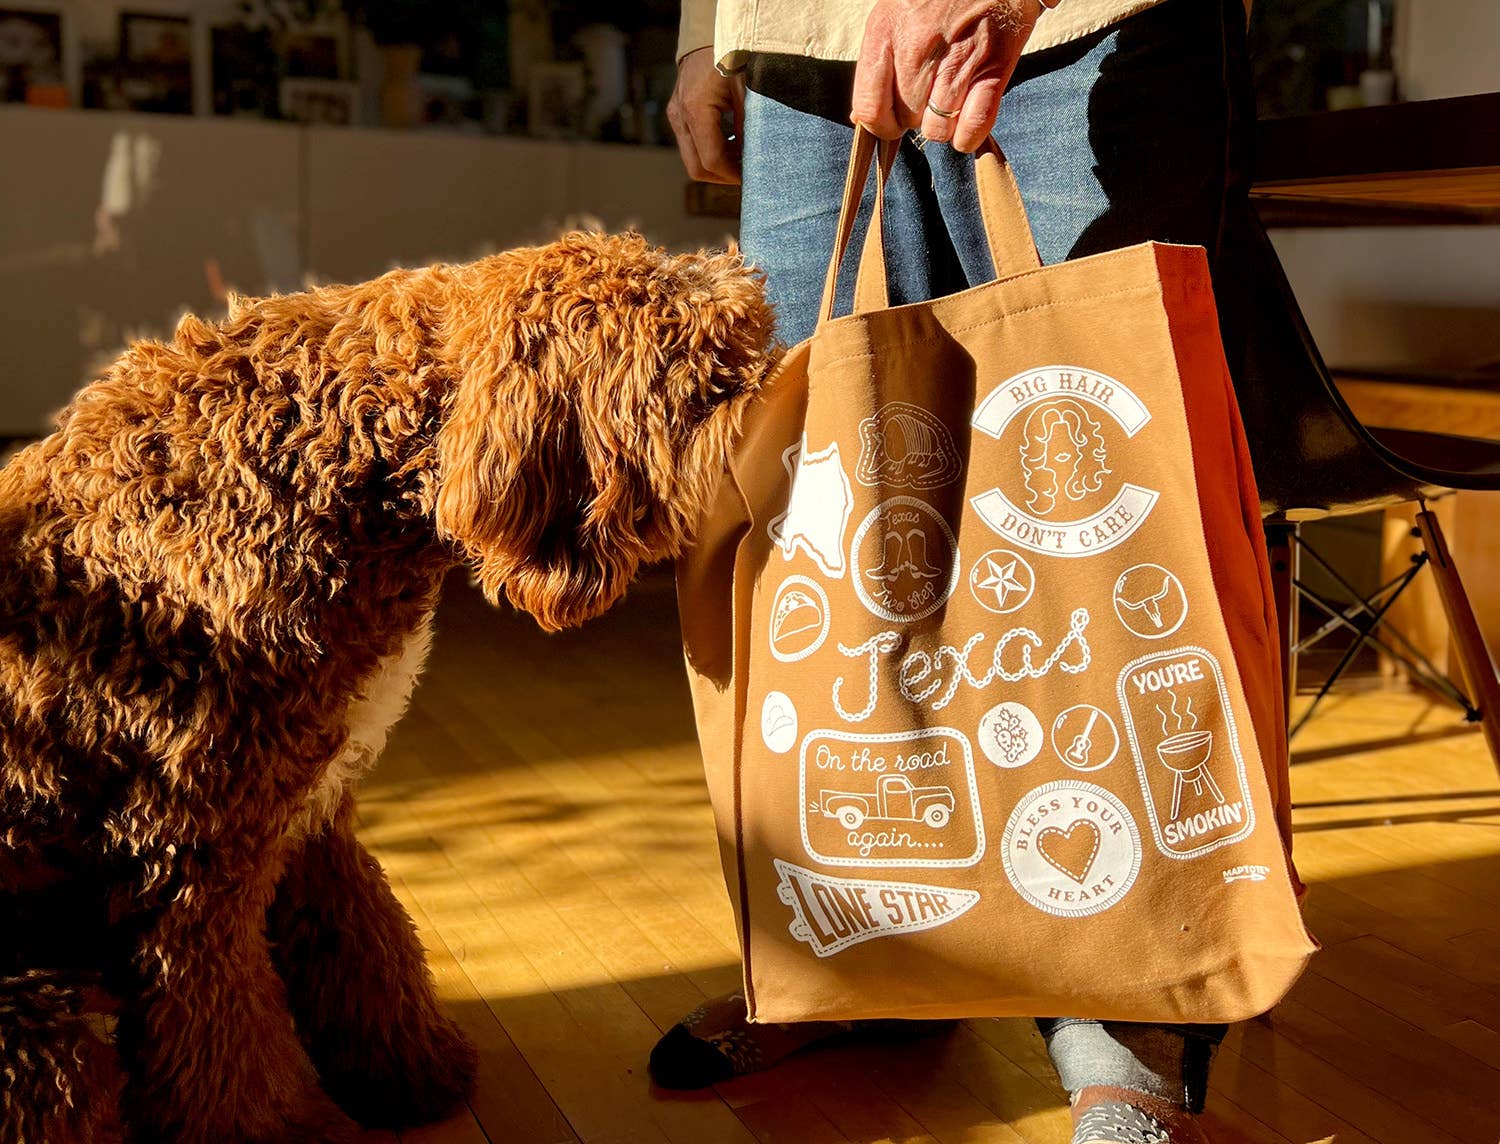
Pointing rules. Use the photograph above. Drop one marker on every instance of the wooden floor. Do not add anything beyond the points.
(542, 814)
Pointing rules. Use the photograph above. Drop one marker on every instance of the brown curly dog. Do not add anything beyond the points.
(216, 580)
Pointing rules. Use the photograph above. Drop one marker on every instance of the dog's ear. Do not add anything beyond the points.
(557, 534)
(599, 381)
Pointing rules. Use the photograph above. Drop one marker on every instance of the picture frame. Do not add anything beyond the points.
(554, 100)
(315, 51)
(33, 56)
(157, 40)
(320, 102)
(155, 67)
(243, 75)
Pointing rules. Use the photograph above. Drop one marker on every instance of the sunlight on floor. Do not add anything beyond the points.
(543, 816)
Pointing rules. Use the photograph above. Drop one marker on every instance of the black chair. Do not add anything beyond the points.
(1313, 458)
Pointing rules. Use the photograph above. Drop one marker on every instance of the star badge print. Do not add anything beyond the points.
(1002, 581)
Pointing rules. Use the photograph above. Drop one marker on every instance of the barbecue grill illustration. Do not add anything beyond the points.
(894, 799)
(1186, 755)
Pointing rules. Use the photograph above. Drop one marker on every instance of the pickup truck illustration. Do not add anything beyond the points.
(893, 799)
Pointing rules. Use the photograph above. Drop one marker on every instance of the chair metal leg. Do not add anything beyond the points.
(1281, 539)
(1473, 653)
(1365, 620)
(1362, 636)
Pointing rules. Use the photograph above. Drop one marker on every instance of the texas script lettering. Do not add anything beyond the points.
(923, 675)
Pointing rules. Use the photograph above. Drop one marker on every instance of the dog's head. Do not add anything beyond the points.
(601, 386)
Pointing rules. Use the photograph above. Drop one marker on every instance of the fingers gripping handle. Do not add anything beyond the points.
(1006, 228)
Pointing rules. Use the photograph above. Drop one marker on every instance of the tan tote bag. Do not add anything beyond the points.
(983, 653)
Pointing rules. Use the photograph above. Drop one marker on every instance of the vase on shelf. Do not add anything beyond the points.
(400, 91)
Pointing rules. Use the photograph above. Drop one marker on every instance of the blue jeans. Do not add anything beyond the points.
(1138, 132)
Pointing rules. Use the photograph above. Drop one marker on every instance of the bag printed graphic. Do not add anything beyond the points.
(1182, 734)
(905, 799)
(980, 734)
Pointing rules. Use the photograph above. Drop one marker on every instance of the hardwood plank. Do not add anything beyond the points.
(1017, 1039)
(1033, 1109)
(1363, 1107)
(946, 1110)
(789, 1122)
(542, 815)
(578, 1028)
(510, 1101)
(1382, 1051)
(460, 1129)
(1475, 1038)
(1227, 1122)
(1278, 1101)
(1398, 982)
(842, 1084)
(1336, 916)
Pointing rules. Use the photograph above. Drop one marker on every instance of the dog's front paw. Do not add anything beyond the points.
(425, 1075)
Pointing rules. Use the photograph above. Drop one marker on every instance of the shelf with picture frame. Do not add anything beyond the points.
(464, 69)
(156, 61)
(39, 59)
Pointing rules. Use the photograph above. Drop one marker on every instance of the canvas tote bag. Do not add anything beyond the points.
(983, 654)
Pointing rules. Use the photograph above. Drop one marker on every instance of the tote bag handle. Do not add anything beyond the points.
(1012, 248)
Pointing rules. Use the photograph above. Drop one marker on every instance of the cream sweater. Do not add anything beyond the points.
(832, 29)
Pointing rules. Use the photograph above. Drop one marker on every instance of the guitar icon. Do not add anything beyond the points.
(1083, 742)
(1085, 738)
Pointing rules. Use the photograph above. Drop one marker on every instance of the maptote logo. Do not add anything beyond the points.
(831, 914)
(1246, 874)
(1064, 424)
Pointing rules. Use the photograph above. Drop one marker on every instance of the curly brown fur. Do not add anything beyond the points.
(339, 939)
(60, 1078)
(215, 559)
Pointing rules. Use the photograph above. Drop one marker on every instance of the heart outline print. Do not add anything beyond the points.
(1065, 860)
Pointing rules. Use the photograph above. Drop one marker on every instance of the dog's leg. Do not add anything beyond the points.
(208, 1043)
(359, 986)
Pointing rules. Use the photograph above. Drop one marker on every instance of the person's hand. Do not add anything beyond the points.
(953, 55)
(702, 100)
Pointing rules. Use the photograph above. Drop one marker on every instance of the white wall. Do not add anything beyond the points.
(111, 225)
(1409, 297)
(1412, 296)
(1449, 47)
